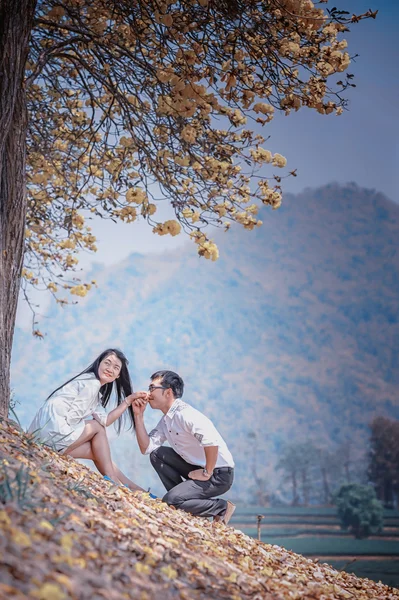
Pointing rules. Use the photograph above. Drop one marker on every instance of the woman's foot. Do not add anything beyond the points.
(109, 479)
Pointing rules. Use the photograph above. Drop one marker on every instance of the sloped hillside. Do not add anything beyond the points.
(67, 534)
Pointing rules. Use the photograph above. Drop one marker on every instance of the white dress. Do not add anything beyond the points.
(61, 419)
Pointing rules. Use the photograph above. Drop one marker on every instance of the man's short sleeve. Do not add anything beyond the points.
(201, 428)
(157, 437)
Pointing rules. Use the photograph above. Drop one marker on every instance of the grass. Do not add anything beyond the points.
(334, 546)
(300, 511)
(295, 528)
(299, 531)
(16, 487)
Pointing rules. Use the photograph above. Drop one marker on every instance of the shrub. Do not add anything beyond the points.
(359, 510)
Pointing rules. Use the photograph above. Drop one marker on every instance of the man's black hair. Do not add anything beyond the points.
(170, 380)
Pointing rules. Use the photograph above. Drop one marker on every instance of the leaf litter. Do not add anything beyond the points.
(66, 534)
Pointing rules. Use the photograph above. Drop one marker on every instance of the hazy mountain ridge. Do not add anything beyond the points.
(292, 333)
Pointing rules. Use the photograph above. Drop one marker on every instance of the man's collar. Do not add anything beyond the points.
(174, 408)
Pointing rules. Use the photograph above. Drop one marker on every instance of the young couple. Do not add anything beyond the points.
(196, 467)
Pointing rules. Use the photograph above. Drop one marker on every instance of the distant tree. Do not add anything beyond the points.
(288, 462)
(327, 462)
(107, 107)
(383, 469)
(307, 456)
(262, 496)
(344, 457)
(359, 509)
(298, 460)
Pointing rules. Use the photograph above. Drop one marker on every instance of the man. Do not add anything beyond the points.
(198, 466)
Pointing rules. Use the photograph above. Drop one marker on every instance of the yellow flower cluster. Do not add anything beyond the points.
(148, 209)
(170, 227)
(247, 220)
(264, 108)
(189, 134)
(271, 197)
(206, 248)
(78, 220)
(128, 214)
(209, 250)
(79, 290)
(279, 161)
(68, 243)
(260, 155)
(136, 195)
(71, 261)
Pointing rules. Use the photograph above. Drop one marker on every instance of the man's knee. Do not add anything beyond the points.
(155, 457)
(173, 498)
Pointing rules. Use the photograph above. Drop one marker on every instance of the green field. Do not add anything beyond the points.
(315, 532)
(386, 571)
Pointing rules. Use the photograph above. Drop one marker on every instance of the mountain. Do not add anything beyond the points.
(292, 334)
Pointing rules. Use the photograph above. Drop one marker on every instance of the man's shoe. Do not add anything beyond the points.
(227, 515)
(229, 512)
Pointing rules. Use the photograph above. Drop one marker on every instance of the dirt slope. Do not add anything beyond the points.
(67, 534)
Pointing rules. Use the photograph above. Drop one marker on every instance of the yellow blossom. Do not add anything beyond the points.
(171, 227)
(279, 160)
(136, 195)
(188, 134)
(79, 290)
(261, 155)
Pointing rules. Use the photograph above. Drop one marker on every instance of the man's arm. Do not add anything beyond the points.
(211, 455)
(119, 410)
(147, 443)
(143, 439)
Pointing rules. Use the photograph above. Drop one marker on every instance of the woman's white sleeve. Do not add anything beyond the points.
(78, 409)
(100, 415)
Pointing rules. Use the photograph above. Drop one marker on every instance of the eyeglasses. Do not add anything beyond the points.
(151, 387)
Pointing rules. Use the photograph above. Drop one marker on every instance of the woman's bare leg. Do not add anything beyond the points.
(130, 484)
(90, 430)
(85, 451)
(95, 434)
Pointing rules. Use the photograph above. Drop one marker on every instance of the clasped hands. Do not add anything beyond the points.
(138, 401)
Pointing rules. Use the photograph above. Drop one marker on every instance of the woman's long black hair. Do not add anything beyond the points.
(123, 384)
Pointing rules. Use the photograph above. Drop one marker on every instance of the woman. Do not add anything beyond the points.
(73, 419)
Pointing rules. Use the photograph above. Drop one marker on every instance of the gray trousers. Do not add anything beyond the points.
(195, 497)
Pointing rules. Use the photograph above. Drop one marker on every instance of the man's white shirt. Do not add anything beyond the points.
(188, 432)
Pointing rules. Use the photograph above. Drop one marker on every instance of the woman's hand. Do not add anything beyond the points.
(136, 396)
(139, 404)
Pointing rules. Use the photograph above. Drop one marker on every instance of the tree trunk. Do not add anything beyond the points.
(305, 487)
(294, 489)
(16, 20)
(326, 486)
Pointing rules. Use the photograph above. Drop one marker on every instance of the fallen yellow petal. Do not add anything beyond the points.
(49, 591)
(169, 572)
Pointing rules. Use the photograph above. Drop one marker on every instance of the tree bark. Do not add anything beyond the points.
(16, 21)
(305, 487)
(294, 489)
(326, 486)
